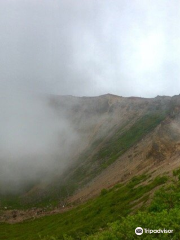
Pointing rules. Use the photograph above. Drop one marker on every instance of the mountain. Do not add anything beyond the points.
(118, 138)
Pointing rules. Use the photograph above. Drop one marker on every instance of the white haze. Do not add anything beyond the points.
(34, 141)
(75, 47)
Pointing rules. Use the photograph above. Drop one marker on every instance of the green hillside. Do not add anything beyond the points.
(88, 218)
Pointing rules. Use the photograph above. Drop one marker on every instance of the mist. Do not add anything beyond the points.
(87, 49)
(35, 141)
(80, 48)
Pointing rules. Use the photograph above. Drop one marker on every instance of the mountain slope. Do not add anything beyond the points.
(120, 138)
(142, 139)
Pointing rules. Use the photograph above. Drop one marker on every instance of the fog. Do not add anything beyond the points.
(90, 48)
(80, 48)
(34, 141)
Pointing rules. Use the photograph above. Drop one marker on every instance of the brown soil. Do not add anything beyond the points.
(15, 216)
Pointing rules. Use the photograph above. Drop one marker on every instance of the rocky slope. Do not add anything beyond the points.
(120, 138)
(129, 136)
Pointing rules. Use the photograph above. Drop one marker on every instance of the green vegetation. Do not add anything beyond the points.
(16, 202)
(122, 141)
(13, 202)
(111, 205)
(163, 213)
(125, 229)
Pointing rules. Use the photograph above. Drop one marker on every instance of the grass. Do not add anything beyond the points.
(120, 143)
(125, 229)
(86, 219)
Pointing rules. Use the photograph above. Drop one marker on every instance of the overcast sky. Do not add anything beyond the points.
(87, 48)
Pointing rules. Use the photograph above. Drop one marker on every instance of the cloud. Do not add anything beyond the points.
(76, 48)
(36, 142)
(80, 48)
